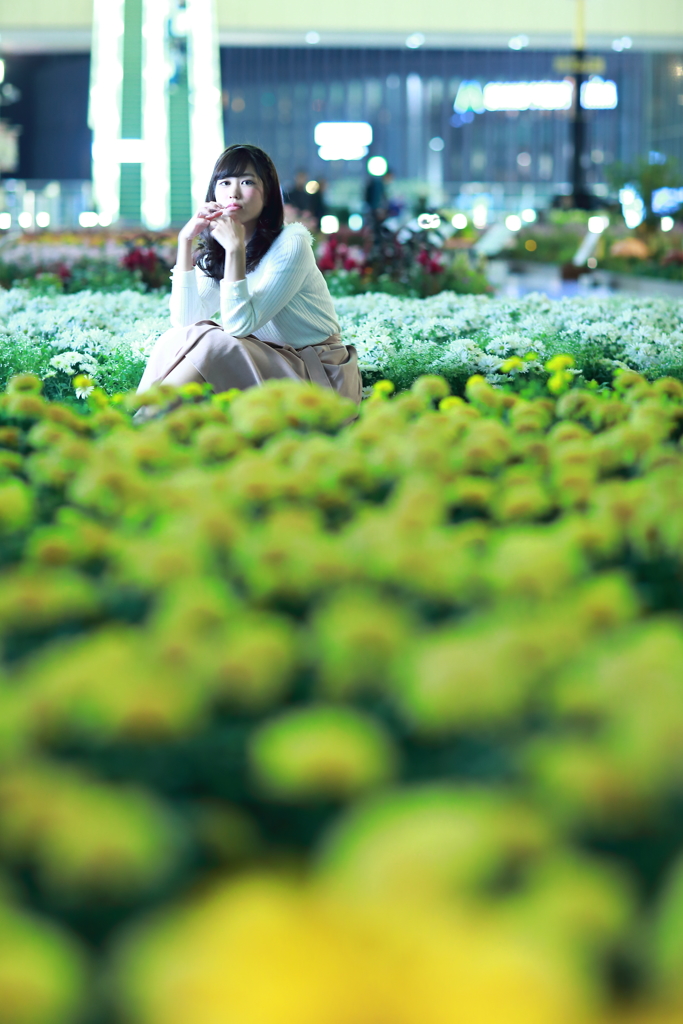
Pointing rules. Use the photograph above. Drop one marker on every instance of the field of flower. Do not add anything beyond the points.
(108, 336)
(310, 719)
(98, 260)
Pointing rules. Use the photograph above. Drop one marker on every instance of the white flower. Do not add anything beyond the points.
(398, 338)
(75, 362)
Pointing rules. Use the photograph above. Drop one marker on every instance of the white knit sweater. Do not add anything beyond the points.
(285, 299)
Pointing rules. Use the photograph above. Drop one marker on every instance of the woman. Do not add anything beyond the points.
(277, 315)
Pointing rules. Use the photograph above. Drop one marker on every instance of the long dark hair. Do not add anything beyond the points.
(233, 161)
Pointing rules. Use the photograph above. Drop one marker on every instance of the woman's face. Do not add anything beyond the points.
(242, 196)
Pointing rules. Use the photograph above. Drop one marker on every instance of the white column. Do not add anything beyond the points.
(415, 132)
(104, 115)
(206, 108)
(156, 173)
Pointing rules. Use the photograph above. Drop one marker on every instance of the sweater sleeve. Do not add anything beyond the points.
(194, 296)
(247, 306)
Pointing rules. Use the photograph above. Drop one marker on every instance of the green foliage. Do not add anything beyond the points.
(458, 275)
(383, 707)
(647, 178)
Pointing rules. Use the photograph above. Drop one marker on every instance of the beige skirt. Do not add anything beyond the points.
(227, 362)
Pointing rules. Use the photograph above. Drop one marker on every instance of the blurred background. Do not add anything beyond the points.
(491, 113)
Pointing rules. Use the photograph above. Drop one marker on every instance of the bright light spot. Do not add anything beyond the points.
(156, 71)
(104, 220)
(513, 222)
(343, 140)
(415, 40)
(130, 151)
(524, 159)
(632, 207)
(355, 222)
(104, 117)
(5, 221)
(597, 224)
(43, 220)
(470, 96)
(378, 166)
(625, 43)
(666, 200)
(598, 94)
(480, 215)
(459, 221)
(88, 219)
(25, 219)
(2, 71)
(597, 156)
(528, 216)
(436, 144)
(329, 224)
(312, 38)
(429, 221)
(667, 223)
(591, 263)
(181, 22)
(312, 187)
(529, 95)
(518, 42)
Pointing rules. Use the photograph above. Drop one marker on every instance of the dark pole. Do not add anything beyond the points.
(580, 196)
(579, 191)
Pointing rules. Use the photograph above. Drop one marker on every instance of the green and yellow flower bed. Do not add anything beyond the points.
(110, 336)
(310, 719)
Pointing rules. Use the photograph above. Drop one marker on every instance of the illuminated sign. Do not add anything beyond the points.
(470, 96)
(528, 95)
(343, 140)
(130, 151)
(598, 94)
(572, 65)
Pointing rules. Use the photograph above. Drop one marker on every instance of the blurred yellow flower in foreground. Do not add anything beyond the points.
(262, 951)
(558, 363)
(41, 971)
(316, 751)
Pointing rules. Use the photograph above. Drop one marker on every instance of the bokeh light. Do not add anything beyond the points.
(329, 224)
(377, 166)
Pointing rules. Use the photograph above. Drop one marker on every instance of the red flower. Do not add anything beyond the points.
(140, 259)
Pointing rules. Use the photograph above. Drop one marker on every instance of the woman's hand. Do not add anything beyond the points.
(229, 233)
(203, 218)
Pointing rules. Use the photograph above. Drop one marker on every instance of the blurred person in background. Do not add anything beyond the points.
(377, 199)
(301, 203)
(278, 320)
(297, 196)
(316, 199)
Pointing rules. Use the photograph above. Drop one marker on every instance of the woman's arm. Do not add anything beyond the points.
(246, 308)
(187, 306)
(205, 215)
(194, 296)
